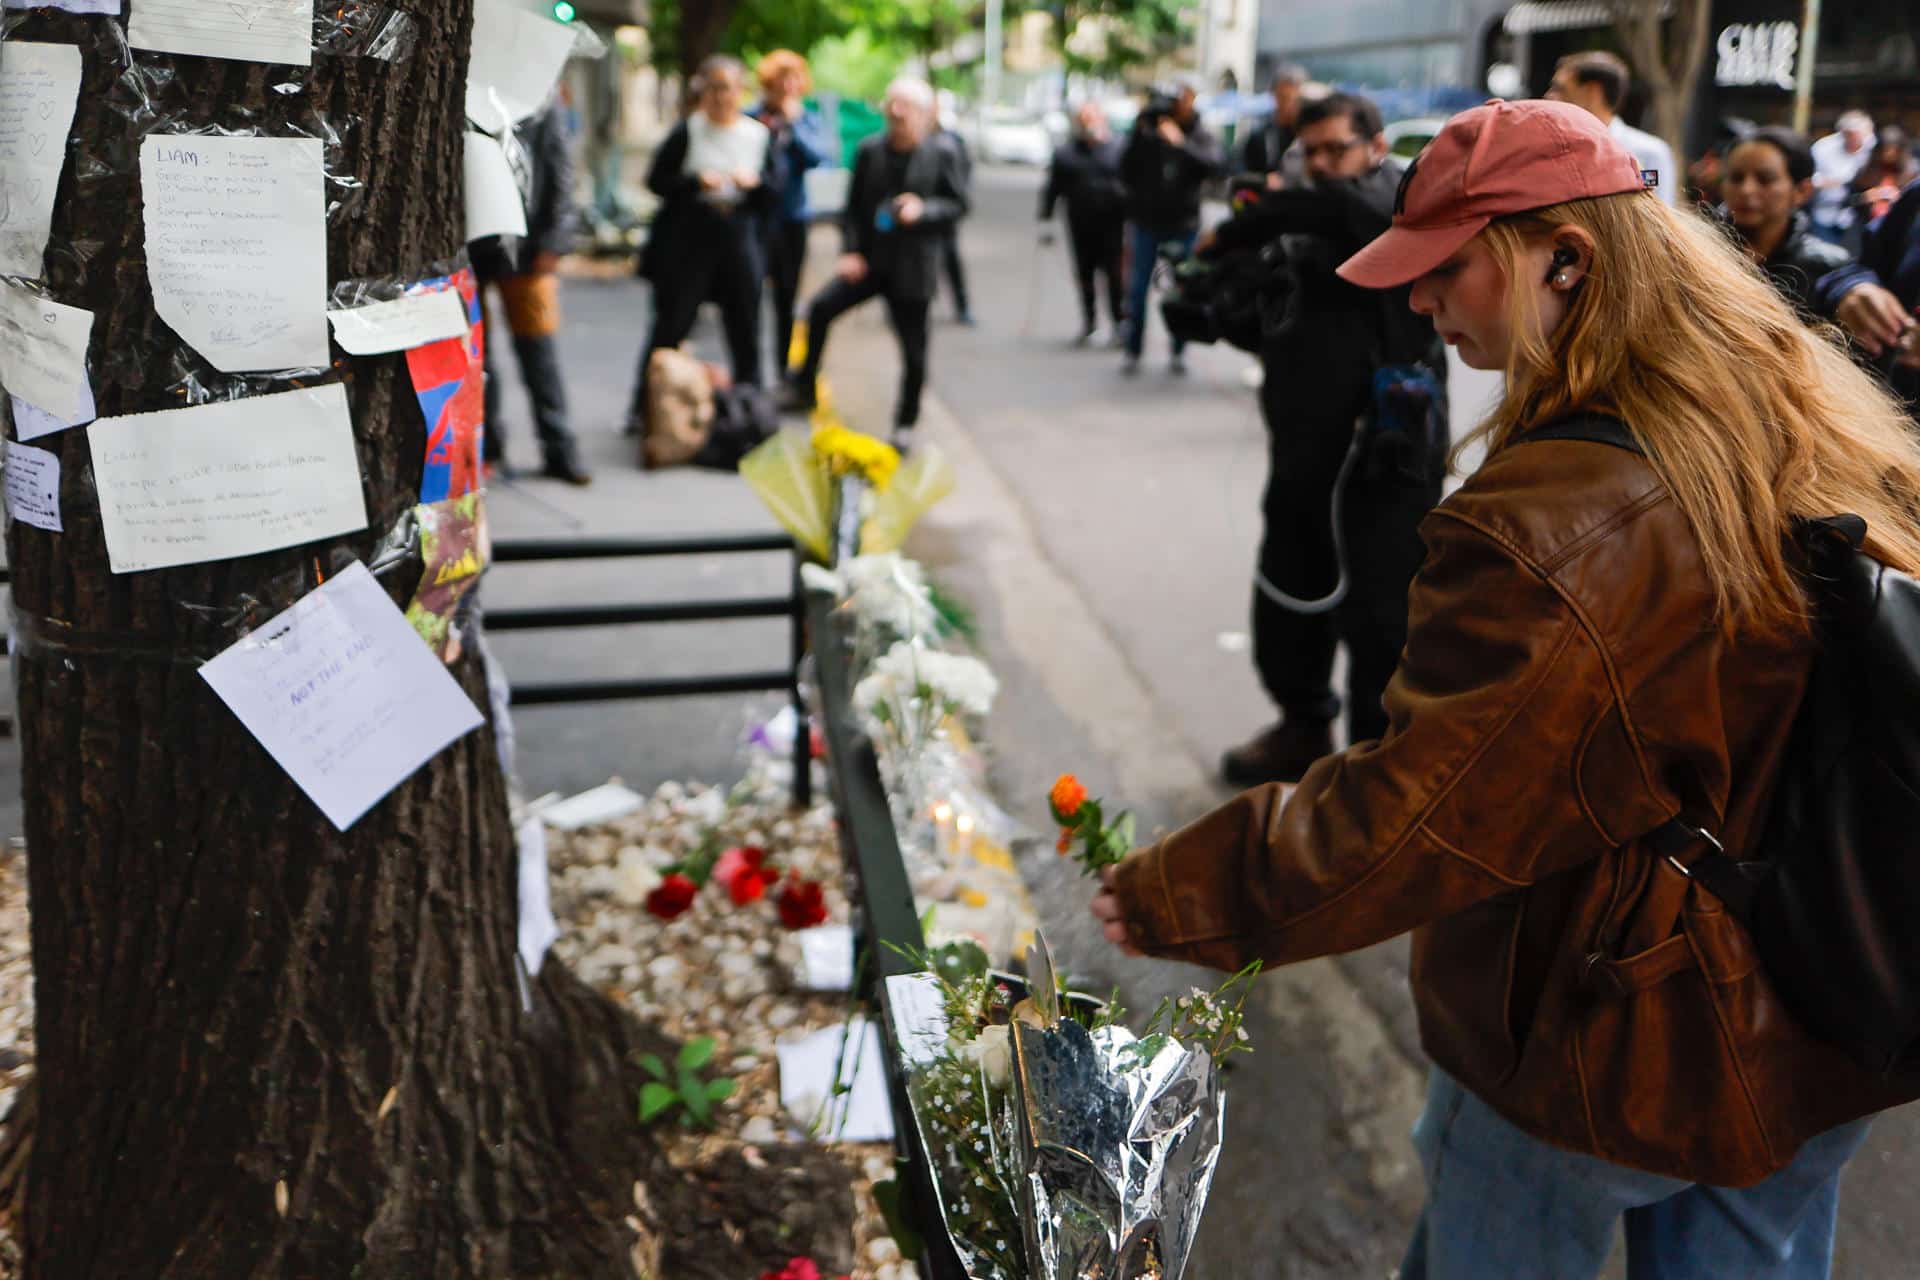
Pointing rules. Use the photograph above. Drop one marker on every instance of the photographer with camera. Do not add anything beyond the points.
(1170, 156)
(1355, 405)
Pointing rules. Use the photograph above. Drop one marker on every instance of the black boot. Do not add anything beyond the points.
(1281, 753)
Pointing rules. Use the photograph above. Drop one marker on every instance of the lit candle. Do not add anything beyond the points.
(964, 825)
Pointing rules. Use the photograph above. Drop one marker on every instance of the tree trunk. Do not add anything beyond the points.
(228, 990)
(1668, 53)
(703, 23)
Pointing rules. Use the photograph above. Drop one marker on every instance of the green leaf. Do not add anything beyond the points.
(694, 1095)
(1123, 833)
(654, 1099)
(651, 1064)
(718, 1089)
(695, 1054)
(891, 1196)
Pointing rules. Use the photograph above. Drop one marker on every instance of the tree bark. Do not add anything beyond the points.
(1668, 52)
(267, 1048)
(703, 23)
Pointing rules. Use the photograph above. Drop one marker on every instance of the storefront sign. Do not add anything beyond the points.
(1758, 53)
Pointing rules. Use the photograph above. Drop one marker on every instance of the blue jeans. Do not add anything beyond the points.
(1501, 1203)
(1143, 251)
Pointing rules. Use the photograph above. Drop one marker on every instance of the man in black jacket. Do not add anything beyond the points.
(525, 272)
(1269, 137)
(907, 189)
(1085, 173)
(1343, 503)
(1168, 158)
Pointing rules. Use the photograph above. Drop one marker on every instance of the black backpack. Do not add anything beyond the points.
(1830, 894)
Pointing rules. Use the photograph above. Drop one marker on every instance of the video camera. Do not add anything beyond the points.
(1160, 104)
(1246, 298)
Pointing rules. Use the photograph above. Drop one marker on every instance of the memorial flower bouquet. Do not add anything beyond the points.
(1062, 1144)
(1082, 821)
(912, 690)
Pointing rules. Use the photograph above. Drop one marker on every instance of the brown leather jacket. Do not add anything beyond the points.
(1563, 692)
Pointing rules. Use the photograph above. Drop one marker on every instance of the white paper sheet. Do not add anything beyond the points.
(43, 351)
(39, 84)
(494, 207)
(71, 6)
(538, 928)
(237, 247)
(340, 690)
(599, 804)
(33, 486)
(863, 1114)
(400, 325)
(220, 480)
(30, 421)
(517, 59)
(244, 30)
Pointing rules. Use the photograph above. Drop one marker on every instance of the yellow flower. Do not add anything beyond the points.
(847, 452)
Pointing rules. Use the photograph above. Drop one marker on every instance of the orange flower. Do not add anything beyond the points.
(1065, 843)
(1067, 795)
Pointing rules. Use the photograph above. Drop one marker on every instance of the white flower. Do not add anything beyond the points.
(634, 876)
(707, 808)
(992, 1053)
(820, 578)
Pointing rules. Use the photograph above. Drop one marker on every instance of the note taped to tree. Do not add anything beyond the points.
(237, 247)
(39, 84)
(278, 31)
(401, 324)
(33, 486)
(493, 203)
(449, 378)
(341, 693)
(43, 351)
(30, 421)
(216, 481)
(517, 59)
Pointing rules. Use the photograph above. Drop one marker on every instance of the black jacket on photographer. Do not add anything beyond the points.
(1163, 179)
(1319, 384)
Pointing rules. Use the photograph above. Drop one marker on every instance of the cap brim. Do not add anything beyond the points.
(1402, 255)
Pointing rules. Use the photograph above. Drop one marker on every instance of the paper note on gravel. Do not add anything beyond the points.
(400, 325)
(33, 486)
(340, 691)
(808, 1086)
(220, 480)
(43, 351)
(39, 84)
(237, 247)
(278, 31)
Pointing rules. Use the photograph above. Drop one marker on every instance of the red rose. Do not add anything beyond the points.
(745, 874)
(674, 896)
(796, 1269)
(802, 904)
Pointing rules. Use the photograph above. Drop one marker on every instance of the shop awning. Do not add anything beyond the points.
(1535, 16)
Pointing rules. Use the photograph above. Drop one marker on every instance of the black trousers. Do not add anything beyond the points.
(539, 360)
(907, 315)
(786, 255)
(1099, 248)
(718, 263)
(1310, 423)
(956, 273)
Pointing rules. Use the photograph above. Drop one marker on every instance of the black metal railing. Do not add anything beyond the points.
(791, 606)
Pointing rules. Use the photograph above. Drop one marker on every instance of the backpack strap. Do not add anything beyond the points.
(1715, 869)
(1594, 428)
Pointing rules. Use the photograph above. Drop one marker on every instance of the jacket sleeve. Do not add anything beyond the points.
(1050, 193)
(947, 203)
(856, 219)
(1304, 210)
(1466, 797)
(664, 176)
(1203, 154)
(809, 141)
(551, 225)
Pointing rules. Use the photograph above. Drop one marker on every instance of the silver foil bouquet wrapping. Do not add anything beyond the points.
(1063, 1145)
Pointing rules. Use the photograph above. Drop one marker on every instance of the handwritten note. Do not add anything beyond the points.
(237, 247)
(39, 84)
(243, 30)
(517, 59)
(30, 421)
(43, 351)
(229, 479)
(401, 324)
(33, 486)
(341, 692)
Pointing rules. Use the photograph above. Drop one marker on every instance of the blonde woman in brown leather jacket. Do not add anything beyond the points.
(1598, 642)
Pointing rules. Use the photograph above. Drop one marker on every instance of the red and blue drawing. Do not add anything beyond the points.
(449, 379)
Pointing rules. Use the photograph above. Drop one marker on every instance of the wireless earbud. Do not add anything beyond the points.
(1562, 259)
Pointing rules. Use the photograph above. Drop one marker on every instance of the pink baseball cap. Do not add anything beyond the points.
(1492, 160)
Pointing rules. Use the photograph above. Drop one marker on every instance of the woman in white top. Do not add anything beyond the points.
(707, 240)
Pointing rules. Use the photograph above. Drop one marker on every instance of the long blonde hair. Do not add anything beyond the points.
(1748, 414)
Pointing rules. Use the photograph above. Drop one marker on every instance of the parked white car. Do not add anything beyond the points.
(1013, 136)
